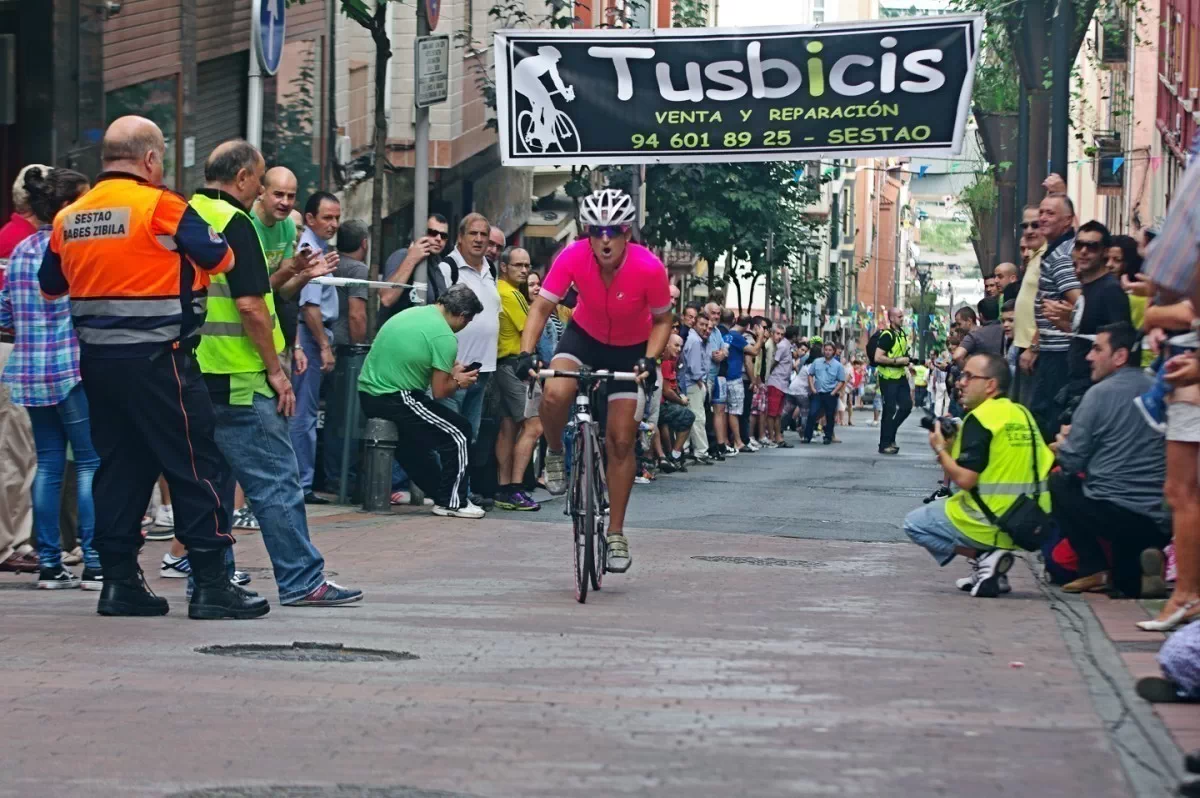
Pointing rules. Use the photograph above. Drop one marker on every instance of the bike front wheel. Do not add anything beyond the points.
(582, 510)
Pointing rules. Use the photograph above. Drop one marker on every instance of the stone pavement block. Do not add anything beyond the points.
(851, 671)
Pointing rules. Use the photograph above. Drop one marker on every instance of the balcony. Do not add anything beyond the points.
(1109, 164)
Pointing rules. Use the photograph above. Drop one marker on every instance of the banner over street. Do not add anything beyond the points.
(894, 87)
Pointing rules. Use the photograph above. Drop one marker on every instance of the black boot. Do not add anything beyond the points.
(125, 591)
(215, 597)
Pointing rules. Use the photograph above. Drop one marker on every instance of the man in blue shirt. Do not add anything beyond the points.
(693, 383)
(825, 380)
(735, 393)
(318, 311)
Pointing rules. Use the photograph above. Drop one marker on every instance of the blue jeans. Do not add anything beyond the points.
(468, 402)
(266, 471)
(302, 427)
(53, 428)
(930, 529)
(821, 404)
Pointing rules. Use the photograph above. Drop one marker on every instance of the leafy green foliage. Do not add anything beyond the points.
(731, 211)
(945, 237)
(689, 14)
(997, 85)
(516, 14)
(294, 133)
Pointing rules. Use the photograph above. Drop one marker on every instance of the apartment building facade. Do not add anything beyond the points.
(182, 63)
(1117, 171)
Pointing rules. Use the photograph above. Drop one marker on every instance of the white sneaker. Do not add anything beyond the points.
(469, 510)
(752, 445)
(164, 517)
(730, 451)
(990, 568)
(967, 583)
(174, 567)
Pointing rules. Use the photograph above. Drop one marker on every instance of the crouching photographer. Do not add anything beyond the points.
(998, 465)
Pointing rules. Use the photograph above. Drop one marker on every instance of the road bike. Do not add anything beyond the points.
(587, 490)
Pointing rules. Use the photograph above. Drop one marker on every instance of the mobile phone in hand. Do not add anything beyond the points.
(474, 366)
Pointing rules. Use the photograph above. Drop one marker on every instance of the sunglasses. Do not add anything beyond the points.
(608, 230)
(442, 234)
(1090, 246)
(1028, 225)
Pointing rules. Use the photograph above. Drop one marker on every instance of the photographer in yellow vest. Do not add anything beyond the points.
(251, 392)
(992, 458)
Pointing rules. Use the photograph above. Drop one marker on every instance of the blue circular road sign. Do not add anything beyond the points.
(269, 31)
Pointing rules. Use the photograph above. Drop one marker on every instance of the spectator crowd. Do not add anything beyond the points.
(1064, 410)
(1065, 414)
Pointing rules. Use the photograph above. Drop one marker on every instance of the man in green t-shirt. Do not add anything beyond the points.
(413, 356)
(289, 272)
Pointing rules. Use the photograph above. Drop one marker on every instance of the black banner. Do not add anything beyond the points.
(739, 94)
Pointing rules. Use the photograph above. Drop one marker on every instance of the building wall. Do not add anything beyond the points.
(1179, 77)
(457, 127)
(1143, 82)
(142, 42)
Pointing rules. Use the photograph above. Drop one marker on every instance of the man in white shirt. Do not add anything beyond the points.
(478, 341)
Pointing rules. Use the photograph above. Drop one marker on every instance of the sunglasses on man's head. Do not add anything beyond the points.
(1090, 246)
(608, 230)
(442, 234)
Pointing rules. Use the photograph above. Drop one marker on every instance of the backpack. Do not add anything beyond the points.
(435, 288)
(873, 346)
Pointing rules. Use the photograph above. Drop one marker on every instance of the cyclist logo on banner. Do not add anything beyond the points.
(543, 128)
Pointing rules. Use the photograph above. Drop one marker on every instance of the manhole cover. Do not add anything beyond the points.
(306, 652)
(768, 561)
(317, 791)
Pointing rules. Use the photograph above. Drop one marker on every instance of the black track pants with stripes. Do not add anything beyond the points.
(433, 443)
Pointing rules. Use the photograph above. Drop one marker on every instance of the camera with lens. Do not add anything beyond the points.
(948, 424)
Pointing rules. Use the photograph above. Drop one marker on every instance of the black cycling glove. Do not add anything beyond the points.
(525, 363)
(649, 366)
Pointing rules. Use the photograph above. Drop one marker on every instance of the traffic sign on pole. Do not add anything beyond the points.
(433, 70)
(433, 8)
(268, 21)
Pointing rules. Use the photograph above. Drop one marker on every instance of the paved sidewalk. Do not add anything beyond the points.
(811, 667)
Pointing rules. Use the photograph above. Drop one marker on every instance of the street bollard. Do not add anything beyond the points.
(381, 436)
(350, 361)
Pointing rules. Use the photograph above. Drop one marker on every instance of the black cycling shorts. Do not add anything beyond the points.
(587, 351)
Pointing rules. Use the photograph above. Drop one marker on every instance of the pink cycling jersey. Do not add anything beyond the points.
(620, 314)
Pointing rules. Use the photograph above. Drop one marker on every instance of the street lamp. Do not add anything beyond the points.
(923, 317)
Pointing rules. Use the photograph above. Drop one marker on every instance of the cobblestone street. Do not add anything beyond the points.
(817, 655)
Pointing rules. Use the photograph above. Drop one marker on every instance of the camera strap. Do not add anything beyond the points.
(1037, 488)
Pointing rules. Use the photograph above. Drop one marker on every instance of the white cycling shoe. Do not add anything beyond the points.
(619, 558)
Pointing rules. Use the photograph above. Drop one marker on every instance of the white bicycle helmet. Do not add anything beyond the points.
(606, 206)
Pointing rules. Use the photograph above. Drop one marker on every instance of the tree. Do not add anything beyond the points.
(1021, 31)
(731, 211)
(510, 14)
(293, 141)
(372, 15)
